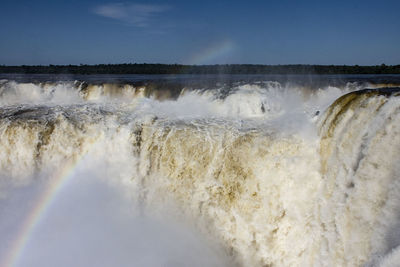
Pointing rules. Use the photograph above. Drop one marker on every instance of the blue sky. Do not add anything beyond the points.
(200, 32)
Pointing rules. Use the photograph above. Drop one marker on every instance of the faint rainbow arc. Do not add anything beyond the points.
(38, 213)
(212, 52)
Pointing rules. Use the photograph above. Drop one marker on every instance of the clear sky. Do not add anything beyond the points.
(351, 32)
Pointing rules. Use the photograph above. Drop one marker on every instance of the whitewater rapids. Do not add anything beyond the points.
(275, 175)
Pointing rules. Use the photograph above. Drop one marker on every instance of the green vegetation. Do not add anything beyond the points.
(201, 69)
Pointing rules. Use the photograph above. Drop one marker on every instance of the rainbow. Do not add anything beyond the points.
(212, 53)
(40, 210)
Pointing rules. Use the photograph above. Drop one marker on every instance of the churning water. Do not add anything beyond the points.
(249, 173)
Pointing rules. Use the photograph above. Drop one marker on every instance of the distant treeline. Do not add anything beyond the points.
(200, 69)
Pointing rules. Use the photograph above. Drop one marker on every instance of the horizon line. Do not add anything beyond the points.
(197, 65)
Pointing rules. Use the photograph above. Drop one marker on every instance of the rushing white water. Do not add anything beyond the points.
(266, 173)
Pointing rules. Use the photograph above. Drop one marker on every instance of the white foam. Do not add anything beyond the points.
(245, 168)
